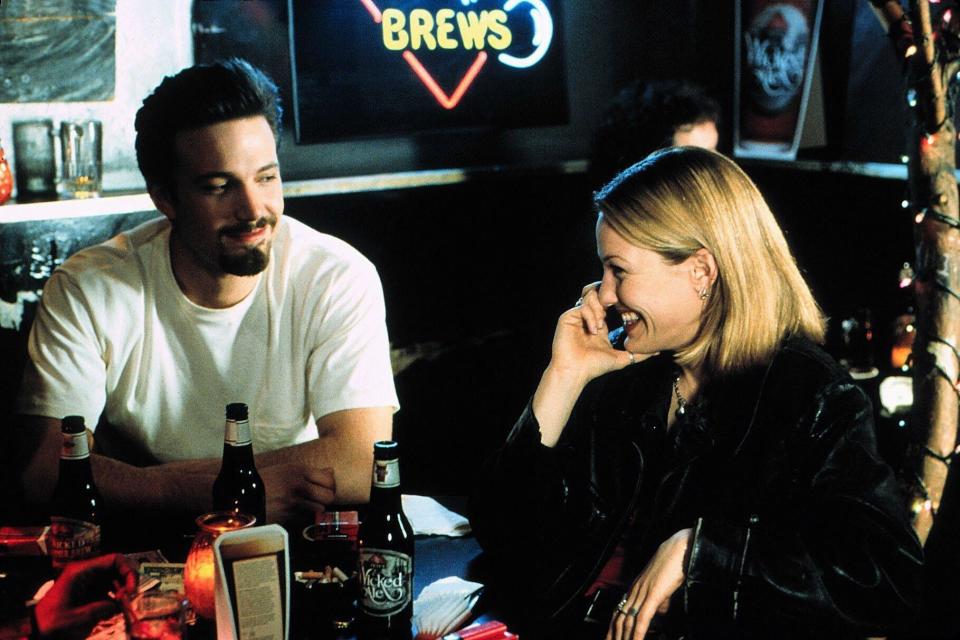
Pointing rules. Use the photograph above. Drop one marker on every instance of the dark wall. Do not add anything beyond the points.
(474, 277)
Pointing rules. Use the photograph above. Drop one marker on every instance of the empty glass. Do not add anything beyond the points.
(81, 155)
(156, 615)
(35, 162)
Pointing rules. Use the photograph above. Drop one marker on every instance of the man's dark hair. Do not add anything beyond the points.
(643, 118)
(195, 97)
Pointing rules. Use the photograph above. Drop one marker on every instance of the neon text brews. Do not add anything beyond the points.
(447, 29)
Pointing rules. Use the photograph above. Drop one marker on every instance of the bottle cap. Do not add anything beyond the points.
(236, 411)
(386, 450)
(72, 424)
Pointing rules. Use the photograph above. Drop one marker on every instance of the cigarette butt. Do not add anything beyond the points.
(327, 573)
(339, 575)
(309, 575)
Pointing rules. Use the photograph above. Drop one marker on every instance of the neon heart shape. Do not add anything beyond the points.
(447, 102)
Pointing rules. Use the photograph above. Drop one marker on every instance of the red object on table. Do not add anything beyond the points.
(493, 630)
(6, 178)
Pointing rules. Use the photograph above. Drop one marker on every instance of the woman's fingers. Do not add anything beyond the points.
(591, 310)
(624, 623)
(592, 287)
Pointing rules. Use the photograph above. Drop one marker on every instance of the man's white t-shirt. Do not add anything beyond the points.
(116, 341)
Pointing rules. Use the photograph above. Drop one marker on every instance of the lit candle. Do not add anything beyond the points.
(198, 572)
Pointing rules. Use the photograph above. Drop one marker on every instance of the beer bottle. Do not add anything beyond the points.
(238, 486)
(75, 508)
(386, 554)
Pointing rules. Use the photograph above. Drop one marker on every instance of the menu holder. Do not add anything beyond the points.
(253, 583)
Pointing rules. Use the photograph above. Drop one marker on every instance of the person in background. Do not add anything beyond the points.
(77, 601)
(222, 299)
(717, 476)
(647, 115)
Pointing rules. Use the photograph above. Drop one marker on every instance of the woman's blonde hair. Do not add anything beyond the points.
(683, 199)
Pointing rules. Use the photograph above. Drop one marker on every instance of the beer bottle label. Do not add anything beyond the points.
(71, 539)
(237, 434)
(386, 474)
(74, 446)
(386, 581)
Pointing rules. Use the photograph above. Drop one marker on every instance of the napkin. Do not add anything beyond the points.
(443, 606)
(429, 517)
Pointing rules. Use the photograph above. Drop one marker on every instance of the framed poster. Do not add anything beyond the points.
(775, 52)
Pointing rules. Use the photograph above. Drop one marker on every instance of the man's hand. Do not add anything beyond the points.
(297, 488)
(650, 593)
(78, 598)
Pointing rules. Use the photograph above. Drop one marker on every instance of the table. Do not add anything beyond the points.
(435, 558)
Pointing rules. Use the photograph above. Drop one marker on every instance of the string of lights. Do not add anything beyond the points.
(934, 81)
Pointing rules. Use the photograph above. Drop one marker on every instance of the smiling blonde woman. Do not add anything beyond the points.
(705, 470)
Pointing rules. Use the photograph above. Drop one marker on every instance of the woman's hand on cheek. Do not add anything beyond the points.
(581, 347)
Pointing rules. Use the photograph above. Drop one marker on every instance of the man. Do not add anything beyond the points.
(649, 115)
(152, 333)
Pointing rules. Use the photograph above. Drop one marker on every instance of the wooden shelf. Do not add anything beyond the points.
(126, 202)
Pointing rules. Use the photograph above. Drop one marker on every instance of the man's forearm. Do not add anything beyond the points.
(351, 466)
(344, 444)
(122, 485)
(181, 486)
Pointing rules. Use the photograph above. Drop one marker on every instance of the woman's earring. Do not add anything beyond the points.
(704, 294)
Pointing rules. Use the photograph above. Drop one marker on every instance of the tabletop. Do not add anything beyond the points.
(435, 557)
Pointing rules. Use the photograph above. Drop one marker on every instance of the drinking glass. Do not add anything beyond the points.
(34, 159)
(325, 577)
(156, 615)
(81, 154)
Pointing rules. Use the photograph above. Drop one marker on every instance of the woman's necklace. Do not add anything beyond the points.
(681, 401)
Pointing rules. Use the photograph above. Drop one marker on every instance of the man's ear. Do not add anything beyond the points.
(703, 272)
(162, 200)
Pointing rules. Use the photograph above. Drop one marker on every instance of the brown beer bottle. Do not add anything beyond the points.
(238, 486)
(386, 554)
(75, 508)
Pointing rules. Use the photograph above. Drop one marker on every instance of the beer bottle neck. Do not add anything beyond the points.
(385, 488)
(237, 445)
(75, 472)
(74, 446)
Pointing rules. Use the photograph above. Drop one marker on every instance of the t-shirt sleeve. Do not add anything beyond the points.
(65, 373)
(349, 362)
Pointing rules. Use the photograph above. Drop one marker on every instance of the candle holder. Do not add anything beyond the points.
(198, 572)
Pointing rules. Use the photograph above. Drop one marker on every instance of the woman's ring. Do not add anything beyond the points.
(620, 607)
(631, 356)
(579, 303)
(633, 612)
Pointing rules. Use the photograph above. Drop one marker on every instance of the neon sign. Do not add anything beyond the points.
(387, 67)
(448, 29)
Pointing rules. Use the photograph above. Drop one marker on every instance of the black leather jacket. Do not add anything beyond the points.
(800, 528)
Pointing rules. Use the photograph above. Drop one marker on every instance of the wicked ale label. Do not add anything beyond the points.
(386, 581)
